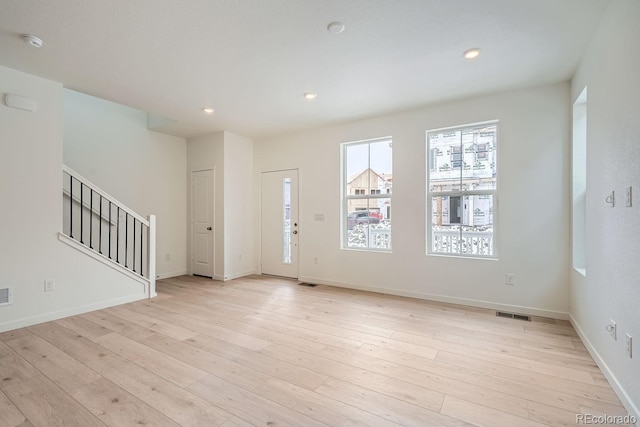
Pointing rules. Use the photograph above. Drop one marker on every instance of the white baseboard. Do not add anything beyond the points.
(238, 275)
(532, 311)
(218, 277)
(615, 384)
(55, 315)
(169, 275)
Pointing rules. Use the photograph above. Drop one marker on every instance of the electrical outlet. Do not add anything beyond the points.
(315, 260)
(612, 328)
(629, 346)
(510, 279)
(167, 257)
(49, 285)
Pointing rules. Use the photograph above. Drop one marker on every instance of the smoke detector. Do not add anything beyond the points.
(335, 27)
(32, 41)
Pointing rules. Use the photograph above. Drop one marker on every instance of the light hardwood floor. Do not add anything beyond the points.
(268, 352)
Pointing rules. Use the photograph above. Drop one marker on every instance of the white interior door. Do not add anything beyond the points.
(279, 223)
(202, 231)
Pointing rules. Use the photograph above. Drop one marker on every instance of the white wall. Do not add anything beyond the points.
(238, 206)
(31, 216)
(534, 203)
(207, 152)
(109, 144)
(610, 70)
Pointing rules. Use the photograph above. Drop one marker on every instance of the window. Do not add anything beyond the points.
(579, 182)
(286, 221)
(366, 214)
(482, 151)
(462, 190)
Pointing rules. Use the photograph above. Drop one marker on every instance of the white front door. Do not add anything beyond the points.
(279, 223)
(202, 232)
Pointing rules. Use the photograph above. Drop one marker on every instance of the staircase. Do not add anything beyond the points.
(102, 227)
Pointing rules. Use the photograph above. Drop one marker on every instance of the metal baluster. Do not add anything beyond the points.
(141, 265)
(134, 244)
(100, 225)
(126, 239)
(70, 206)
(81, 208)
(118, 238)
(109, 229)
(91, 218)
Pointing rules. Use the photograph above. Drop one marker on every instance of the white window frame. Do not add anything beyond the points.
(344, 210)
(461, 193)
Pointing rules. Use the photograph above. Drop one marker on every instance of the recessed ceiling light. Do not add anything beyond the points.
(335, 27)
(208, 110)
(310, 95)
(32, 41)
(471, 53)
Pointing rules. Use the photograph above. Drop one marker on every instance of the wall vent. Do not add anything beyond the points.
(6, 296)
(513, 316)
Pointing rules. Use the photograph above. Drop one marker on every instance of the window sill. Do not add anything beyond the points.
(461, 256)
(377, 251)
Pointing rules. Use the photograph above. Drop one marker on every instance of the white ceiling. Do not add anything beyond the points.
(252, 60)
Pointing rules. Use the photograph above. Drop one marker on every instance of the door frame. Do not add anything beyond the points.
(297, 170)
(213, 220)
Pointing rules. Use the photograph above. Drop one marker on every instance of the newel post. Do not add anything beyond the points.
(152, 255)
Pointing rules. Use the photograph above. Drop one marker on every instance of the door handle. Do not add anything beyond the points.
(209, 228)
(295, 231)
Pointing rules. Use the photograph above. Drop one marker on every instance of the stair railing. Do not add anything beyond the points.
(105, 225)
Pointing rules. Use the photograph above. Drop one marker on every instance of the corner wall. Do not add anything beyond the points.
(238, 206)
(31, 216)
(533, 231)
(611, 288)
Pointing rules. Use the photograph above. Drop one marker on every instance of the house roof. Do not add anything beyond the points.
(382, 176)
(252, 60)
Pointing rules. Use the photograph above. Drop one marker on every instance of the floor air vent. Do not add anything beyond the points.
(310, 285)
(513, 316)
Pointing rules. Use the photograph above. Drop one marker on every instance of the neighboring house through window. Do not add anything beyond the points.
(462, 190)
(366, 204)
